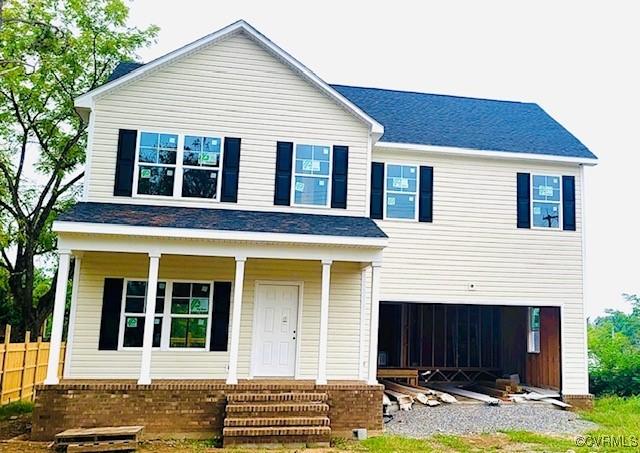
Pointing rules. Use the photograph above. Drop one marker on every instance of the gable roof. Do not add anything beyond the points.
(132, 71)
(461, 122)
(222, 220)
(414, 118)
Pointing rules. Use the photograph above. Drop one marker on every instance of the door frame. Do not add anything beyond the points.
(254, 328)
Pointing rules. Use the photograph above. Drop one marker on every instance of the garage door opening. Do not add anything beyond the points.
(451, 343)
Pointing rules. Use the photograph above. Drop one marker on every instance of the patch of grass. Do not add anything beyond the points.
(540, 442)
(455, 443)
(15, 408)
(397, 444)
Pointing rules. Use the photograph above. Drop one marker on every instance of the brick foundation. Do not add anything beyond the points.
(579, 402)
(186, 409)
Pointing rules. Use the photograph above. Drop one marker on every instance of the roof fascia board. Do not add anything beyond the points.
(223, 235)
(86, 100)
(485, 153)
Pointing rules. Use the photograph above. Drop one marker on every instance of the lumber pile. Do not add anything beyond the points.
(405, 395)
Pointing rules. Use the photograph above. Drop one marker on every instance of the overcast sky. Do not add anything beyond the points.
(578, 59)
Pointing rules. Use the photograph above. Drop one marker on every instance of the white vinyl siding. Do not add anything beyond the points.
(474, 239)
(344, 317)
(232, 88)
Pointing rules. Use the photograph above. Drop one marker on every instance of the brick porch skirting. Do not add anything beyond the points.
(187, 409)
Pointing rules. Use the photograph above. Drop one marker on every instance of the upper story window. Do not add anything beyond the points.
(312, 170)
(546, 201)
(201, 165)
(173, 165)
(401, 189)
(157, 159)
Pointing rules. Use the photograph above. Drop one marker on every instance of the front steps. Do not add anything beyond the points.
(276, 419)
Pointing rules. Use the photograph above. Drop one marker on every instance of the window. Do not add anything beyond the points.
(173, 165)
(546, 201)
(134, 309)
(182, 314)
(157, 163)
(190, 304)
(311, 175)
(201, 164)
(401, 188)
(534, 330)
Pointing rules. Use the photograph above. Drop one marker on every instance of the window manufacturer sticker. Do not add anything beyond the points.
(299, 186)
(410, 198)
(132, 323)
(316, 165)
(412, 170)
(391, 201)
(169, 172)
(400, 183)
(537, 210)
(145, 173)
(321, 182)
(325, 151)
(545, 191)
(156, 321)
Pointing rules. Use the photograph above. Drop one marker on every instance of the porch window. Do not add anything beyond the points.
(201, 166)
(534, 330)
(311, 175)
(134, 309)
(190, 307)
(546, 201)
(401, 189)
(157, 159)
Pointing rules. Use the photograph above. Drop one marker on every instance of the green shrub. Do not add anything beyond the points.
(614, 352)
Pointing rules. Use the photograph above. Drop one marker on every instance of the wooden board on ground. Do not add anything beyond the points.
(112, 438)
(421, 397)
(442, 396)
(405, 401)
(467, 394)
(410, 374)
(540, 390)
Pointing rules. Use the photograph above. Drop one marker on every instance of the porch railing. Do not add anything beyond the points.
(23, 366)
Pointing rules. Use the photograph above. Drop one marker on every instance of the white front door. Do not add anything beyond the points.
(274, 345)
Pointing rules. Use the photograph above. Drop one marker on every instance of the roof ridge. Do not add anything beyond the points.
(433, 94)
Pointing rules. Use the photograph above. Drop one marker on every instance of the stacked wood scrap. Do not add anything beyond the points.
(423, 395)
(450, 388)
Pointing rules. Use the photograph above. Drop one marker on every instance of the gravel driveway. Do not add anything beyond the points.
(424, 421)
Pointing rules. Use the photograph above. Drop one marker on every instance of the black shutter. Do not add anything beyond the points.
(339, 177)
(377, 190)
(524, 200)
(425, 208)
(110, 319)
(230, 170)
(220, 316)
(284, 160)
(125, 160)
(569, 203)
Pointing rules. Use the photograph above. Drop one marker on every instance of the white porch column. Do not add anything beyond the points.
(64, 258)
(324, 323)
(71, 329)
(373, 327)
(149, 317)
(232, 376)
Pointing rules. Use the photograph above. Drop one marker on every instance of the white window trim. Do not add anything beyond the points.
(124, 314)
(178, 167)
(329, 176)
(531, 201)
(167, 315)
(417, 194)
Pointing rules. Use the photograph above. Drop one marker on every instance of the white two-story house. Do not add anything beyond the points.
(250, 234)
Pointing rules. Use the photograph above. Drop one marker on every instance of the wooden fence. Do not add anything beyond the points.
(23, 366)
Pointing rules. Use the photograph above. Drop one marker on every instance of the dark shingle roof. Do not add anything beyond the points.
(433, 119)
(123, 68)
(223, 219)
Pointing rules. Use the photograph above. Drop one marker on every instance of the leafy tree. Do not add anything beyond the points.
(51, 51)
(614, 351)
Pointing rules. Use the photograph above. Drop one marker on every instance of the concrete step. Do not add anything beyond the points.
(275, 397)
(279, 409)
(276, 421)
